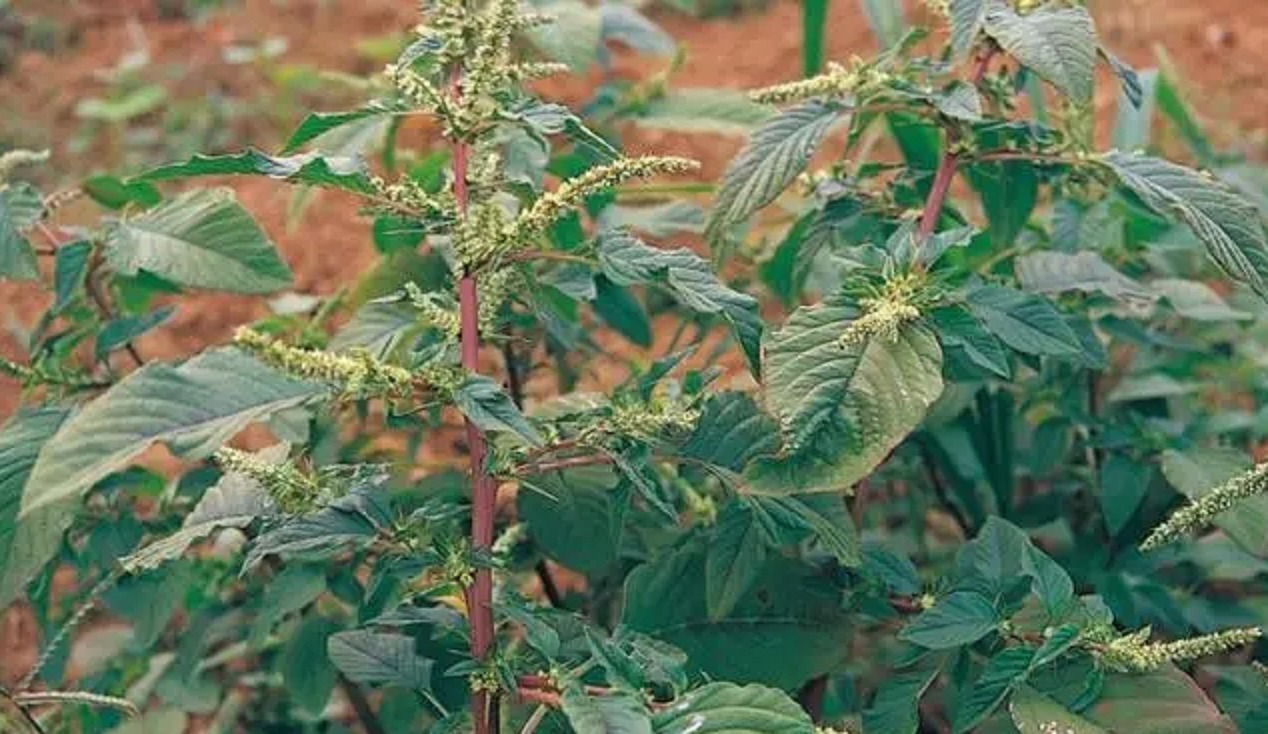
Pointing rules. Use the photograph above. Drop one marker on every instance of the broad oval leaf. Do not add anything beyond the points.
(725, 708)
(774, 155)
(1222, 219)
(1025, 322)
(620, 712)
(193, 408)
(1032, 711)
(1166, 700)
(959, 618)
(848, 405)
(201, 239)
(380, 657)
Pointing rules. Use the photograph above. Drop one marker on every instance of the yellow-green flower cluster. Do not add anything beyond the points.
(356, 373)
(939, 7)
(33, 376)
(494, 287)
(837, 81)
(551, 205)
(407, 197)
(481, 236)
(292, 490)
(883, 316)
(14, 159)
(19, 372)
(434, 313)
(1206, 508)
(1133, 653)
(651, 420)
(416, 88)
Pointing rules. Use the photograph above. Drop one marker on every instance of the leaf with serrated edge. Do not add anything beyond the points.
(774, 155)
(26, 544)
(1222, 219)
(201, 239)
(1058, 44)
(380, 657)
(193, 408)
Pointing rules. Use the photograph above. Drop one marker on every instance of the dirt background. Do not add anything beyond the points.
(1219, 47)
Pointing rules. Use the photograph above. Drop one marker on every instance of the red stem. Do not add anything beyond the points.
(479, 596)
(945, 174)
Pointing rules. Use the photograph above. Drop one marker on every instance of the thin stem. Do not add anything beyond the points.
(945, 174)
(361, 705)
(549, 588)
(534, 721)
(479, 595)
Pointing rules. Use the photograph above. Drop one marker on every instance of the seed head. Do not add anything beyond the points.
(1205, 509)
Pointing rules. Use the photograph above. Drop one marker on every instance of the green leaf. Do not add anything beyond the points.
(885, 17)
(626, 260)
(380, 658)
(1196, 300)
(620, 712)
(294, 588)
(895, 707)
(1032, 711)
(622, 669)
(725, 708)
(790, 625)
(959, 618)
(814, 22)
(157, 721)
(1196, 472)
(1060, 272)
(966, 19)
(20, 208)
(70, 266)
(1025, 322)
(487, 405)
(117, 333)
(774, 155)
(960, 101)
(824, 516)
(308, 169)
(1133, 125)
(233, 502)
(731, 432)
(622, 311)
(26, 544)
(116, 194)
(573, 37)
(353, 520)
(737, 553)
(1222, 219)
(958, 330)
(306, 668)
(193, 408)
(861, 400)
(1057, 43)
(725, 111)
(317, 124)
(378, 327)
(1165, 701)
(202, 239)
(1004, 672)
(573, 516)
(1124, 484)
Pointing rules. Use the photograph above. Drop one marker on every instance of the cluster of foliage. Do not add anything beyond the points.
(947, 495)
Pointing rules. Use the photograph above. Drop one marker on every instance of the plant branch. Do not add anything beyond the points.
(361, 705)
(479, 595)
(945, 173)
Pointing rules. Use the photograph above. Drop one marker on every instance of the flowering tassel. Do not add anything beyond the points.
(356, 373)
(1133, 654)
(1206, 508)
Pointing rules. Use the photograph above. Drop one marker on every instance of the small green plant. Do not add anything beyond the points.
(927, 498)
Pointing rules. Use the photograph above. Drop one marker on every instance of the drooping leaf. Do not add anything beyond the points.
(20, 208)
(895, 709)
(380, 658)
(201, 239)
(306, 668)
(725, 708)
(628, 261)
(736, 557)
(1059, 272)
(774, 155)
(70, 266)
(117, 333)
(1196, 300)
(958, 329)
(353, 520)
(574, 517)
(1057, 43)
(1032, 711)
(192, 408)
(28, 543)
(233, 502)
(316, 124)
(1222, 219)
(1124, 484)
(1003, 673)
(487, 405)
(308, 169)
(732, 431)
